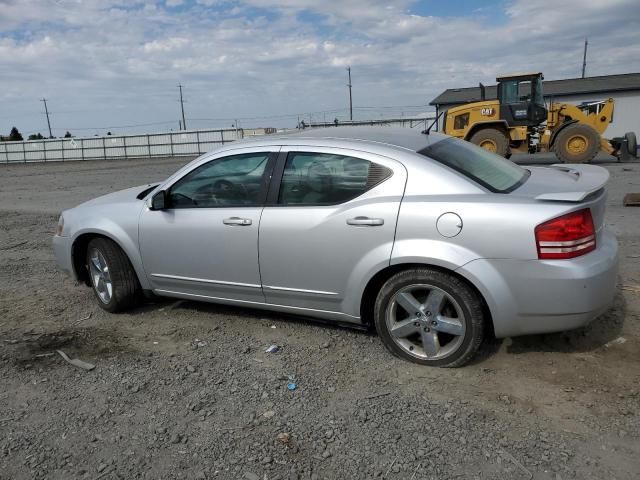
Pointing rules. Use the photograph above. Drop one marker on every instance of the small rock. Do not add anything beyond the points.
(269, 414)
(325, 345)
(176, 438)
(101, 467)
(191, 369)
(251, 476)
(283, 438)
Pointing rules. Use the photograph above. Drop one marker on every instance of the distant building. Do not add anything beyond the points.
(623, 88)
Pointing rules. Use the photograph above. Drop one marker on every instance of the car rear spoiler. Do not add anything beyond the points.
(589, 180)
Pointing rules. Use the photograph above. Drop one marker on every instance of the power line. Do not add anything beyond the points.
(184, 124)
(237, 119)
(113, 127)
(46, 111)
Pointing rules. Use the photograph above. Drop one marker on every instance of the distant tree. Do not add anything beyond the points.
(35, 136)
(108, 133)
(15, 135)
(68, 135)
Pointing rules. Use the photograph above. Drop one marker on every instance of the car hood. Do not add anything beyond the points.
(563, 182)
(129, 195)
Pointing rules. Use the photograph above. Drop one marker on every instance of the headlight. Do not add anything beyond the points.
(60, 226)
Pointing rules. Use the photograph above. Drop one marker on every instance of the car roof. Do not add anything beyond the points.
(375, 136)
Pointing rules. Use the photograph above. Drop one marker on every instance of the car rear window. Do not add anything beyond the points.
(488, 169)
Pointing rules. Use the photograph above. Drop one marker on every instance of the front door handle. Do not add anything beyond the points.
(243, 222)
(365, 222)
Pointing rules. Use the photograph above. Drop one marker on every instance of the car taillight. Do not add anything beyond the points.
(567, 236)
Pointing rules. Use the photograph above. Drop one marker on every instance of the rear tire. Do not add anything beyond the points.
(577, 143)
(493, 140)
(429, 317)
(113, 279)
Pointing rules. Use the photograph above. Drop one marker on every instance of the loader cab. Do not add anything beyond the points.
(521, 100)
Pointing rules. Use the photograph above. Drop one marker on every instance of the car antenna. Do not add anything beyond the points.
(426, 132)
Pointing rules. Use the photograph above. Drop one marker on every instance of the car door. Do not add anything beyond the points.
(329, 223)
(204, 244)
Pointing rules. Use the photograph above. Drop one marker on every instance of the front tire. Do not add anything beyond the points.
(577, 143)
(429, 317)
(113, 279)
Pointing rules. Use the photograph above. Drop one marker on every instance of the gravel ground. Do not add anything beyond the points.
(186, 390)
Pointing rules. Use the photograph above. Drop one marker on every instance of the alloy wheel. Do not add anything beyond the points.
(100, 276)
(425, 321)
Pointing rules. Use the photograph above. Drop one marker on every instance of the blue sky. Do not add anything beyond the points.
(115, 64)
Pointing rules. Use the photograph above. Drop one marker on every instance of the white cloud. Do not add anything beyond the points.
(106, 63)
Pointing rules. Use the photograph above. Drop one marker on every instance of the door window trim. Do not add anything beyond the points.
(278, 173)
(267, 174)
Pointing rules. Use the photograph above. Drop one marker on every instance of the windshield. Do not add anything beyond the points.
(488, 169)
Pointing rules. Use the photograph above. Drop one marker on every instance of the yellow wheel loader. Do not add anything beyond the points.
(519, 121)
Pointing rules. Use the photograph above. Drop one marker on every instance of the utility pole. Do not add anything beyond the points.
(350, 98)
(184, 124)
(46, 111)
(584, 57)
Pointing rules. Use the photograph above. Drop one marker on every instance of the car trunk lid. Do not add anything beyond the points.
(575, 185)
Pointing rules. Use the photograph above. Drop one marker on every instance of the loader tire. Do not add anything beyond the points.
(632, 143)
(577, 143)
(493, 140)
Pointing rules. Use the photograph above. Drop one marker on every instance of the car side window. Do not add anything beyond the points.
(229, 181)
(327, 179)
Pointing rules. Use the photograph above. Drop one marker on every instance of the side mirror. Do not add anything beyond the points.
(159, 201)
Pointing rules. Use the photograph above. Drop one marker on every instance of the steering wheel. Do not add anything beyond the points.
(224, 186)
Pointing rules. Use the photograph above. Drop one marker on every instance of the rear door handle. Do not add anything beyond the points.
(365, 222)
(243, 222)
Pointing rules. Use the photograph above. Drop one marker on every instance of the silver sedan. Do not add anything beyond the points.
(429, 239)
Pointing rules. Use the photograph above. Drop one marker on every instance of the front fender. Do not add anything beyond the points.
(126, 240)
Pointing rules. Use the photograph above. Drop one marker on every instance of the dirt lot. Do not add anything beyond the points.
(185, 390)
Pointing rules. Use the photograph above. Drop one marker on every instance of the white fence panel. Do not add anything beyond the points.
(166, 144)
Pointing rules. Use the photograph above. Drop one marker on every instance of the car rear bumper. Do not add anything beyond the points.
(540, 296)
(62, 252)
